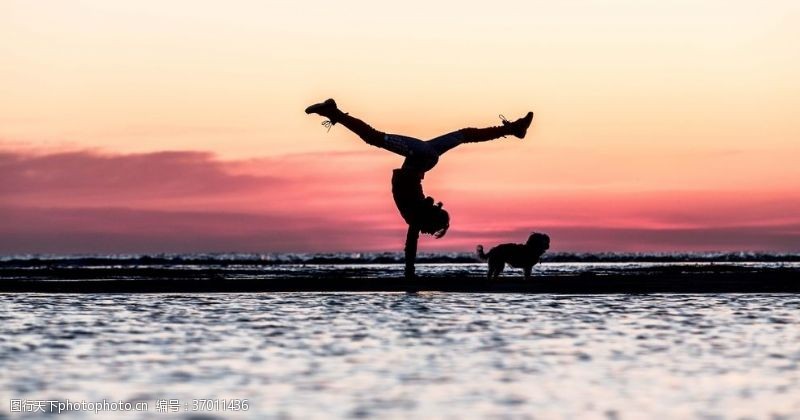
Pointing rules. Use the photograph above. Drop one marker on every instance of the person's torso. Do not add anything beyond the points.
(407, 193)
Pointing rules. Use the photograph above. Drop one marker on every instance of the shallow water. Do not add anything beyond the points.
(316, 355)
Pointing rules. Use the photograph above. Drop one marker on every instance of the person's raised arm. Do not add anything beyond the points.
(412, 236)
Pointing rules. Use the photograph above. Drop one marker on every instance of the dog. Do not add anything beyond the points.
(523, 256)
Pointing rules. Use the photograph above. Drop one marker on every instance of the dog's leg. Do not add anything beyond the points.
(492, 268)
(527, 271)
(498, 268)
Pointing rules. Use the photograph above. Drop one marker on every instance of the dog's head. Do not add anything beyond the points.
(539, 242)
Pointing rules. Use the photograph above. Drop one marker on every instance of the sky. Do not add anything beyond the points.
(179, 127)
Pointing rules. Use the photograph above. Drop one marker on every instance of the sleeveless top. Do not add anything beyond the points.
(407, 193)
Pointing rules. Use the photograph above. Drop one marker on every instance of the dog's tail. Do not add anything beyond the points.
(481, 254)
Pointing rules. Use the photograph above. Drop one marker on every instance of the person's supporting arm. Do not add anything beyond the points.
(412, 236)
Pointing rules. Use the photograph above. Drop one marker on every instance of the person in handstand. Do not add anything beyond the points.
(421, 213)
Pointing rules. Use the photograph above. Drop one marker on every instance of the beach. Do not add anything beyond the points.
(345, 335)
(569, 274)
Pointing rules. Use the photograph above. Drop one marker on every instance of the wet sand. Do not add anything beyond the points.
(672, 279)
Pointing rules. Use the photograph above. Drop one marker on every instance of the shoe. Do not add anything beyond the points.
(323, 108)
(519, 127)
(328, 110)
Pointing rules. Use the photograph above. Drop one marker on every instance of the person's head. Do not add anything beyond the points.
(433, 219)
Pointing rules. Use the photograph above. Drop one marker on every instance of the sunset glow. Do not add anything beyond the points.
(179, 126)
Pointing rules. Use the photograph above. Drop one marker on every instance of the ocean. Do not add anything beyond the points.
(396, 355)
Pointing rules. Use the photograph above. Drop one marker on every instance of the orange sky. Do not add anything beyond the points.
(659, 125)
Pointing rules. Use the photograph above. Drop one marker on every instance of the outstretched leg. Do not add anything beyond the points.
(448, 141)
(402, 145)
(329, 110)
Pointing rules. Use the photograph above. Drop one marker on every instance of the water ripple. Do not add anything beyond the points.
(455, 355)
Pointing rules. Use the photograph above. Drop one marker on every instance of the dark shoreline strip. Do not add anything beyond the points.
(787, 281)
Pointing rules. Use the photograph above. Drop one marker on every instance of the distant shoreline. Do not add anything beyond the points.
(267, 259)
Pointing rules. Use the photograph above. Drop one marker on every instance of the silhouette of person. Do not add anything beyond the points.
(421, 213)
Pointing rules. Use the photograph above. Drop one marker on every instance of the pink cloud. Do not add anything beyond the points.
(116, 230)
(93, 178)
(84, 201)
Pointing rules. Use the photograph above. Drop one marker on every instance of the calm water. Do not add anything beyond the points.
(313, 355)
